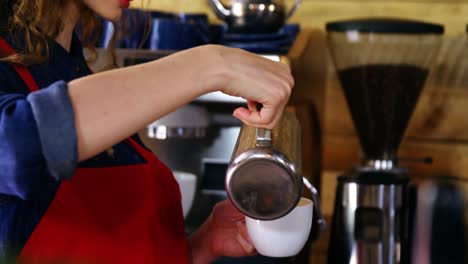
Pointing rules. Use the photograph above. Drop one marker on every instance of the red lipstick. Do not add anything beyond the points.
(125, 3)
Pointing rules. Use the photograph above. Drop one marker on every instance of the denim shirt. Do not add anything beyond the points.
(38, 142)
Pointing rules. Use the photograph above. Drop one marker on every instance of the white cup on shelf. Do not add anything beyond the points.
(187, 184)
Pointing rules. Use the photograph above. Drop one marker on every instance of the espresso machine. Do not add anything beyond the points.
(382, 65)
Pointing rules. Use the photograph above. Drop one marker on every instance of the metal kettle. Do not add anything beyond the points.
(264, 179)
(253, 16)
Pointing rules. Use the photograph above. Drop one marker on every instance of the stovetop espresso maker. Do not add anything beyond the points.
(382, 65)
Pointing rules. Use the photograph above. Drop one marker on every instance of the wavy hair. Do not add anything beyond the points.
(38, 22)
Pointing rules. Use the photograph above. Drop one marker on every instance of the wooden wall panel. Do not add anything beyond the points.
(315, 13)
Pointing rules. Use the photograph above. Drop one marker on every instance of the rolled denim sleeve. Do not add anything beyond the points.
(37, 140)
(55, 122)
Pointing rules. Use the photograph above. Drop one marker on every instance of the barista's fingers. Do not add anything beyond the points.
(246, 246)
(244, 239)
(266, 118)
(242, 228)
(252, 105)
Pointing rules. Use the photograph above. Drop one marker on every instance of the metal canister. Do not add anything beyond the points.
(264, 179)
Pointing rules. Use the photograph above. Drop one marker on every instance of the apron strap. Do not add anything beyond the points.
(144, 153)
(23, 72)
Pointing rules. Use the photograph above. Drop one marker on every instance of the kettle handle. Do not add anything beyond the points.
(293, 8)
(221, 11)
(263, 137)
(316, 200)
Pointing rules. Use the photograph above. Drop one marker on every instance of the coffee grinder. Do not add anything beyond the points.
(382, 65)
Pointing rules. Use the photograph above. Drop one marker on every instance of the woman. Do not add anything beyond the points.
(75, 186)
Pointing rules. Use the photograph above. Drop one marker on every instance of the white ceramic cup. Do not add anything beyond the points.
(187, 184)
(283, 237)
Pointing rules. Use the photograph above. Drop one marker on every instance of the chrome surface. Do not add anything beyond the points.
(263, 184)
(394, 169)
(253, 16)
(441, 221)
(427, 195)
(165, 132)
(219, 97)
(389, 200)
(263, 137)
(380, 164)
(318, 208)
(188, 121)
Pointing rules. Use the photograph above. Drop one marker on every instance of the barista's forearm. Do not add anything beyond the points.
(112, 105)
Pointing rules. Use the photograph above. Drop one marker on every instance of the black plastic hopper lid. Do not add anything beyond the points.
(385, 25)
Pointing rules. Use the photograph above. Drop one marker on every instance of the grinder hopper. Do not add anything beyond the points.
(382, 65)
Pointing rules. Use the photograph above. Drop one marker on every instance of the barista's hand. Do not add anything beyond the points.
(223, 234)
(259, 80)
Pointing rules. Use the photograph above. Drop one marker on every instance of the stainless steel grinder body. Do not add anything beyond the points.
(369, 218)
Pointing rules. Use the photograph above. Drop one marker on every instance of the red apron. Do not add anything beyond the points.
(124, 214)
